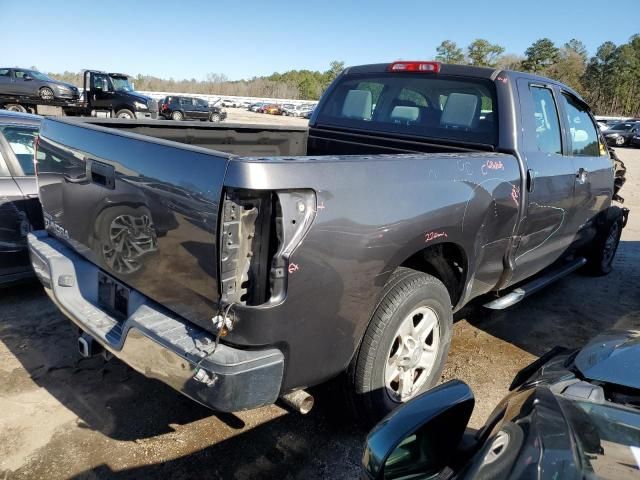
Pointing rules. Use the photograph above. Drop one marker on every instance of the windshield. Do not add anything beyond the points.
(21, 140)
(121, 84)
(431, 106)
(608, 438)
(622, 126)
(39, 76)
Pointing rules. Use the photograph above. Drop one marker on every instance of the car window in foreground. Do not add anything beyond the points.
(21, 139)
(432, 106)
(608, 438)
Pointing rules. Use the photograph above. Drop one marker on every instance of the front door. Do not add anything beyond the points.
(101, 95)
(593, 174)
(188, 107)
(546, 229)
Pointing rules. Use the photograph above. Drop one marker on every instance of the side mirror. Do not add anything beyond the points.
(420, 436)
(105, 85)
(27, 77)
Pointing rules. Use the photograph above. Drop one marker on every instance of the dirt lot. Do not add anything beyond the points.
(240, 115)
(61, 417)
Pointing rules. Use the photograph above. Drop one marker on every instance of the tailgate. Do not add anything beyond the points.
(144, 210)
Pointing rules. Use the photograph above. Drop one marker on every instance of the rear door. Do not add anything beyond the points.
(548, 226)
(6, 82)
(593, 168)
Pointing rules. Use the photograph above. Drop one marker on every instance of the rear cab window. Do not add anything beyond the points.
(433, 106)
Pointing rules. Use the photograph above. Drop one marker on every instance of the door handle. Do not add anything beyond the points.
(531, 175)
(582, 175)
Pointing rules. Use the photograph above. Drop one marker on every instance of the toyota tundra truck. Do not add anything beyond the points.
(240, 264)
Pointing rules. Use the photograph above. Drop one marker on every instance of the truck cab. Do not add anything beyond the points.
(112, 95)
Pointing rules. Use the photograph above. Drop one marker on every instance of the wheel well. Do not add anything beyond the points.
(445, 261)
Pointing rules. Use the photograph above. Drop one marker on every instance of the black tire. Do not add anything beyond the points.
(620, 141)
(215, 118)
(14, 107)
(603, 250)
(46, 93)
(498, 456)
(177, 116)
(126, 114)
(406, 291)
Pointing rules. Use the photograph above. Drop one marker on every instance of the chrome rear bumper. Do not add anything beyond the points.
(154, 341)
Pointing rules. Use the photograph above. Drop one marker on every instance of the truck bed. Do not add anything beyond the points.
(97, 183)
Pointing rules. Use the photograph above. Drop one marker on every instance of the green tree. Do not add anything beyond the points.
(483, 53)
(578, 47)
(540, 55)
(449, 52)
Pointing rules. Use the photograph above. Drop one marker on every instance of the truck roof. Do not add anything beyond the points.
(489, 73)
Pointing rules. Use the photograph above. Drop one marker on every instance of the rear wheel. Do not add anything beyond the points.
(14, 107)
(177, 116)
(126, 114)
(46, 93)
(604, 248)
(405, 346)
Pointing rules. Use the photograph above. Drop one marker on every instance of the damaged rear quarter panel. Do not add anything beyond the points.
(372, 213)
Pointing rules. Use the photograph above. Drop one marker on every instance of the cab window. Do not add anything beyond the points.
(430, 106)
(583, 133)
(546, 120)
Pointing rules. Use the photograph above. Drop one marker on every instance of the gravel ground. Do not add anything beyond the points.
(61, 417)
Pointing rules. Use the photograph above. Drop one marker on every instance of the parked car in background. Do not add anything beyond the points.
(272, 109)
(190, 108)
(620, 134)
(227, 102)
(20, 210)
(570, 415)
(254, 107)
(20, 81)
(294, 110)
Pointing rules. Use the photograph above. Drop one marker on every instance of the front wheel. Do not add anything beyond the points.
(215, 118)
(46, 93)
(619, 141)
(126, 114)
(405, 346)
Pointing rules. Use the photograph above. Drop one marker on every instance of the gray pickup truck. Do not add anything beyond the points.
(240, 264)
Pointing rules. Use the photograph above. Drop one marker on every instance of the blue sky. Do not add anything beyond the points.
(188, 39)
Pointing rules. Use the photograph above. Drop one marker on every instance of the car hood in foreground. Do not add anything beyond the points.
(612, 358)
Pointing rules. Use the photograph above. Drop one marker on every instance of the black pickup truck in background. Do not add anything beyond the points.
(240, 263)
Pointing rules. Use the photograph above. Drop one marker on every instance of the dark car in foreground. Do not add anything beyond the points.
(570, 414)
(31, 83)
(190, 108)
(20, 210)
(621, 134)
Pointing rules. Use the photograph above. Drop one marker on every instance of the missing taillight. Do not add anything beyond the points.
(259, 231)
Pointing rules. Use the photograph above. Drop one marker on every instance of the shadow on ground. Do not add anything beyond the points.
(569, 312)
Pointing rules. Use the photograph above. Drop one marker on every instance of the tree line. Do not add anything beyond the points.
(294, 84)
(609, 80)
